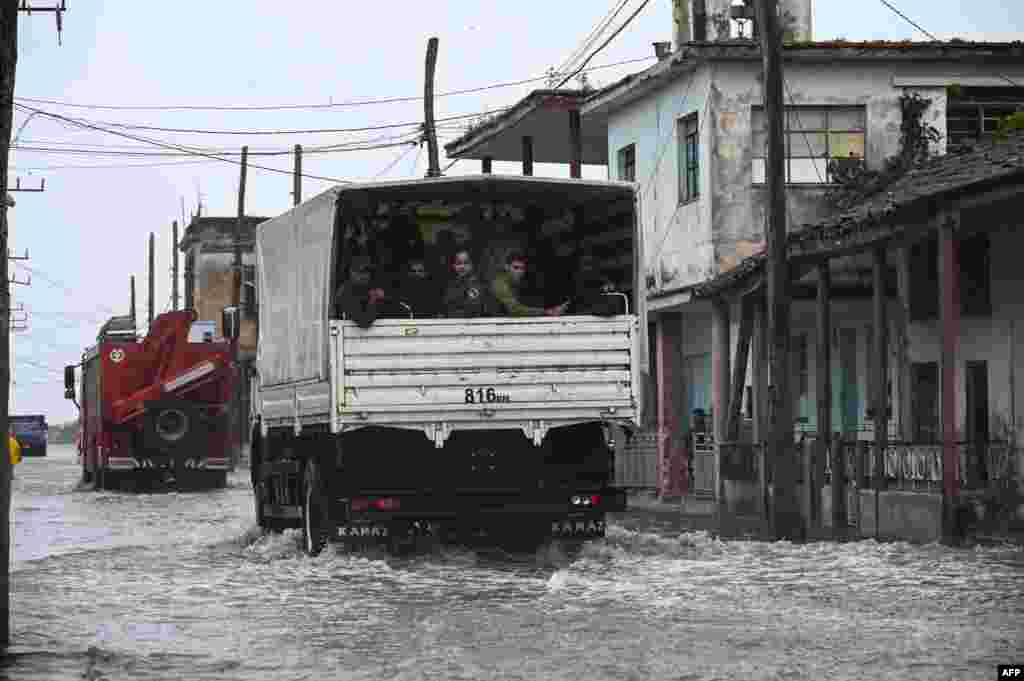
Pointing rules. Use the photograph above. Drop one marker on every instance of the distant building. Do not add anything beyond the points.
(208, 245)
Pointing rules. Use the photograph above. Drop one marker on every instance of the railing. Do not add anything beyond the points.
(637, 463)
(918, 466)
(701, 464)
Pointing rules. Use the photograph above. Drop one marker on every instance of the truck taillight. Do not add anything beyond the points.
(586, 500)
(386, 504)
(360, 504)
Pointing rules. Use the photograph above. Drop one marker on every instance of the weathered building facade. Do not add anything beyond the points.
(690, 132)
(208, 246)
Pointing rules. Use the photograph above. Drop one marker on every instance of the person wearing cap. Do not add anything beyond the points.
(507, 287)
(465, 296)
(358, 299)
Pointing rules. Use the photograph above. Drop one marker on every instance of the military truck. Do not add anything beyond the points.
(419, 425)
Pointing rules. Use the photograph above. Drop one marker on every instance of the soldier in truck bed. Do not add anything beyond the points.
(507, 286)
(465, 296)
(359, 299)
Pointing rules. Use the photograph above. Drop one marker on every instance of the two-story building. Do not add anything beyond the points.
(690, 132)
(208, 245)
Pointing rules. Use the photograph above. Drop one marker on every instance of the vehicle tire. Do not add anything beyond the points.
(314, 509)
(255, 463)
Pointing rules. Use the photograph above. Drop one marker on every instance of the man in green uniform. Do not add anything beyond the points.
(506, 289)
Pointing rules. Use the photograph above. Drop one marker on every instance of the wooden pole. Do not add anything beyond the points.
(237, 301)
(786, 503)
(739, 370)
(720, 346)
(433, 162)
(152, 276)
(880, 382)
(174, 265)
(527, 155)
(949, 315)
(297, 177)
(576, 144)
(823, 372)
(759, 368)
(8, 65)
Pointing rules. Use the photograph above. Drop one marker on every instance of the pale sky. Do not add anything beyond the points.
(89, 231)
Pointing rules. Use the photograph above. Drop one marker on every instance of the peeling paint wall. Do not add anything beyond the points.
(688, 243)
(678, 248)
(738, 206)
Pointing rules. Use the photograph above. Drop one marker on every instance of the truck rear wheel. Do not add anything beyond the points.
(314, 509)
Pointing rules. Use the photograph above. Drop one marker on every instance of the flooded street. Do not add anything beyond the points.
(181, 586)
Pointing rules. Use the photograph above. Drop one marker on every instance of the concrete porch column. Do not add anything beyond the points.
(949, 315)
(720, 349)
(672, 446)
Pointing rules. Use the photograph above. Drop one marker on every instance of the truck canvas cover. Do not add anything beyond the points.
(294, 252)
(439, 375)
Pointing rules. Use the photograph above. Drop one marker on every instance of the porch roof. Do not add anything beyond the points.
(923, 192)
(542, 115)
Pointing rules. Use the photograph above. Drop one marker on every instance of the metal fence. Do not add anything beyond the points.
(636, 463)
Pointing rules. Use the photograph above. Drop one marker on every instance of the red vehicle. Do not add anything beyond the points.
(155, 411)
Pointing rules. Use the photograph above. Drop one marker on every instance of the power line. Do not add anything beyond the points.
(281, 107)
(313, 131)
(933, 36)
(395, 161)
(612, 37)
(56, 283)
(600, 28)
(103, 152)
(910, 21)
(178, 147)
(267, 151)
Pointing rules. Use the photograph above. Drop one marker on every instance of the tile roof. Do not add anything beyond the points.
(989, 163)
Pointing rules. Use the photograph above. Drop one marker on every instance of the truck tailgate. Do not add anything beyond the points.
(440, 375)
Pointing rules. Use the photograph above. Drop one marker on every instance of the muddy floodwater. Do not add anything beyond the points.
(182, 586)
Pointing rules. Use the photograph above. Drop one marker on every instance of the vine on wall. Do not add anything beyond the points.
(855, 182)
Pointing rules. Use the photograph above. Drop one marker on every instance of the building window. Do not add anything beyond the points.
(974, 281)
(250, 305)
(814, 136)
(689, 159)
(627, 163)
(974, 113)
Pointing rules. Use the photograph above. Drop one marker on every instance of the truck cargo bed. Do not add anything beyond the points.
(441, 375)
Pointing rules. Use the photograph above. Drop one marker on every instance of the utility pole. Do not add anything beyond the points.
(174, 265)
(8, 66)
(297, 178)
(237, 302)
(786, 516)
(429, 131)
(133, 302)
(152, 277)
